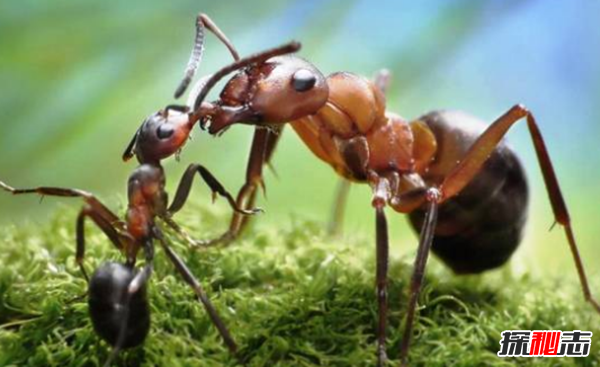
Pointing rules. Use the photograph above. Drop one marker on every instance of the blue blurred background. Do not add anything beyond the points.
(79, 77)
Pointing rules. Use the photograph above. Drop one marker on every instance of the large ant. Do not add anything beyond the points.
(117, 292)
(464, 189)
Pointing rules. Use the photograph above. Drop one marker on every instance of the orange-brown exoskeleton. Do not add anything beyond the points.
(463, 188)
(117, 299)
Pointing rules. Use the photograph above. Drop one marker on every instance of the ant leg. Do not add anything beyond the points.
(382, 282)
(464, 172)
(63, 192)
(273, 135)
(98, 212)
(185, 185)
(336, 220)
(177, 107)
(202, 21)
(128, 153)
(382, 80)
(189, 278)
(142, 277)
(263, 146)
(381, 194)
(181, 232)
(432, 196)
(106, 227)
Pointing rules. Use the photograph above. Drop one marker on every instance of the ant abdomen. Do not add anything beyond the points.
(481, 227)
(112, 312)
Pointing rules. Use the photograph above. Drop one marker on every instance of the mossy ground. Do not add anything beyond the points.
(290, 295)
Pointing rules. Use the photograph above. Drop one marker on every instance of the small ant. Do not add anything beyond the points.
(117, 292)
(463, 188)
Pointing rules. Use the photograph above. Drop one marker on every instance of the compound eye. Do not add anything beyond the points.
(165, 131)
(303, 80)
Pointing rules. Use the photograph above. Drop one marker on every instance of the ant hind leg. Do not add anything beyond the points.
(481, 149)
(191, 280)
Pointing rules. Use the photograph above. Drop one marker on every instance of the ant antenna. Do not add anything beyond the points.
(196, 90)
(202, 21)
(287, 48)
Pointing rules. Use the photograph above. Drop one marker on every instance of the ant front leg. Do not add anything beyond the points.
(464, 172)
(185, 185)
(183, 192)
(263, 146)
(104, 218)
(189, 278)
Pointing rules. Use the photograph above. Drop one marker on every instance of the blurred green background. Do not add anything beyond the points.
(79, 77)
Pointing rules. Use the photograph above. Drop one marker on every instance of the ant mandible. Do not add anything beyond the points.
(117, 292)
(463, 188)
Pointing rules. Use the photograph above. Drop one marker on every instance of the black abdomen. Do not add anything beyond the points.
(110, 311)
(480, 228)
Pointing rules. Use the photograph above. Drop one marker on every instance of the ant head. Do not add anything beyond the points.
(161, 135)
(122, 319)
(282, 89)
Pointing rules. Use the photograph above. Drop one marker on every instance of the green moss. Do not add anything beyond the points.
(290, 295)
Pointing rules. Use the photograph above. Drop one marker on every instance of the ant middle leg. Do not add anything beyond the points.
(432, 197)
(382, 252)
(381, 194)
(339, 207)
(107, 227)
(104, 218)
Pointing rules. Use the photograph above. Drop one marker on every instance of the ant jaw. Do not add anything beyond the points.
(205, 123)
(222, 131)
(225, 116)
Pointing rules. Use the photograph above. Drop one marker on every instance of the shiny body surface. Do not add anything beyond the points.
(464, 190)
(480, 228)
(109, 310)
(117, 292)
(438, 168)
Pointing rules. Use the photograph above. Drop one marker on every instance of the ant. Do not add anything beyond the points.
(117, 300)
(464, 189)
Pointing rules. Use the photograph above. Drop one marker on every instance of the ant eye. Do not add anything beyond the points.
(165, 131)
(303, 80)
